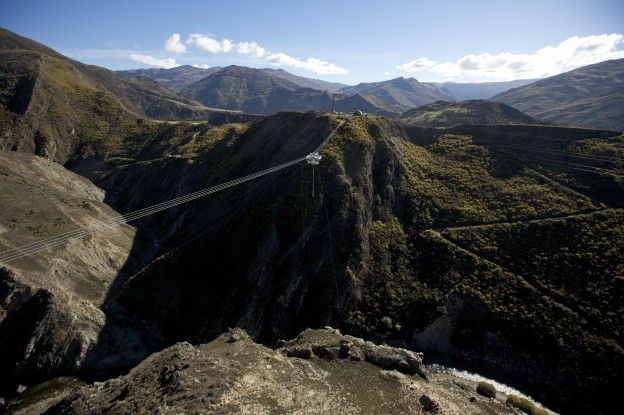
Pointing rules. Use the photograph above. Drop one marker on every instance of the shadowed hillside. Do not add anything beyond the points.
(392, 269)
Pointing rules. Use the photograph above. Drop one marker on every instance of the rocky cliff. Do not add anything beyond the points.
(50, 316)
(232, 374)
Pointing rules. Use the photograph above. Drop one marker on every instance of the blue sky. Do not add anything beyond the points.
(342, 41)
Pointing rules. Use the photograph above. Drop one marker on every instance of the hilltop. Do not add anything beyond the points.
(461, 91)
(399, 94)
(449, 114)
(235, 375)
(306, 82)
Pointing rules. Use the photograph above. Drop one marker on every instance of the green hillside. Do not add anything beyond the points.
(51, 104)
(448, 114)
(591, 96)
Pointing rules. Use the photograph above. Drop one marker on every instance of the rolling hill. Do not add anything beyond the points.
(591, 96)
(461, 91)
(449, 114)
(174, 78)
(254, 91)
(181, 76)
(399, 94)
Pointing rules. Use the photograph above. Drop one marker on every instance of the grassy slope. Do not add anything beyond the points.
(448, 114)
(52, 105)
(591, 96)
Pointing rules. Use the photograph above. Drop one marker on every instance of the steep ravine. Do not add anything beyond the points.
(261, 256)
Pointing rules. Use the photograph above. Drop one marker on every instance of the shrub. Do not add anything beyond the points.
(486, 389)
(525, 405)
(386, 323)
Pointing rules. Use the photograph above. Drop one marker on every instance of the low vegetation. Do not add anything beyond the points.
(525, 405)
(448, 114)
(486, 389)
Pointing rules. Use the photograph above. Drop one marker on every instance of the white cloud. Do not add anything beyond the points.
(201, 65)
(572, 53)
(250, 48)
(211, 45)
(173, 44)
(166, 63)
(315, 65)
(416, 65)
(254, 50)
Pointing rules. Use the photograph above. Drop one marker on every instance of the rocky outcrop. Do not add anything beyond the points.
(232, 374)
(330, 344)
(50, 316)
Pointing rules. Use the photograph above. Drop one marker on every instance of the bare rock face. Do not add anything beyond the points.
(50, 316)
(43, 333)
(331, 344)
(232, 374)
(428, 404)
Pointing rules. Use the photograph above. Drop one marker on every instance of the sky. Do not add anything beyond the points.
(340, 41)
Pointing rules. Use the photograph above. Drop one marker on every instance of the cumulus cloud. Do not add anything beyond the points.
(250, 48)
(173, 44)
(201, 65)
(315, 65)
(211, 45)
(572, 53)
(148, 60)
(253, 49)
(416, 65)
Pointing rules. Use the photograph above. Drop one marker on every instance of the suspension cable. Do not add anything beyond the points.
(37, 246)
(28, 249)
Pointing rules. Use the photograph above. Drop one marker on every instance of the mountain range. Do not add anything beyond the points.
(174, 78)
(591, 96)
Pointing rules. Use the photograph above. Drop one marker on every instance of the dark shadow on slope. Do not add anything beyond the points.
(255, 256)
